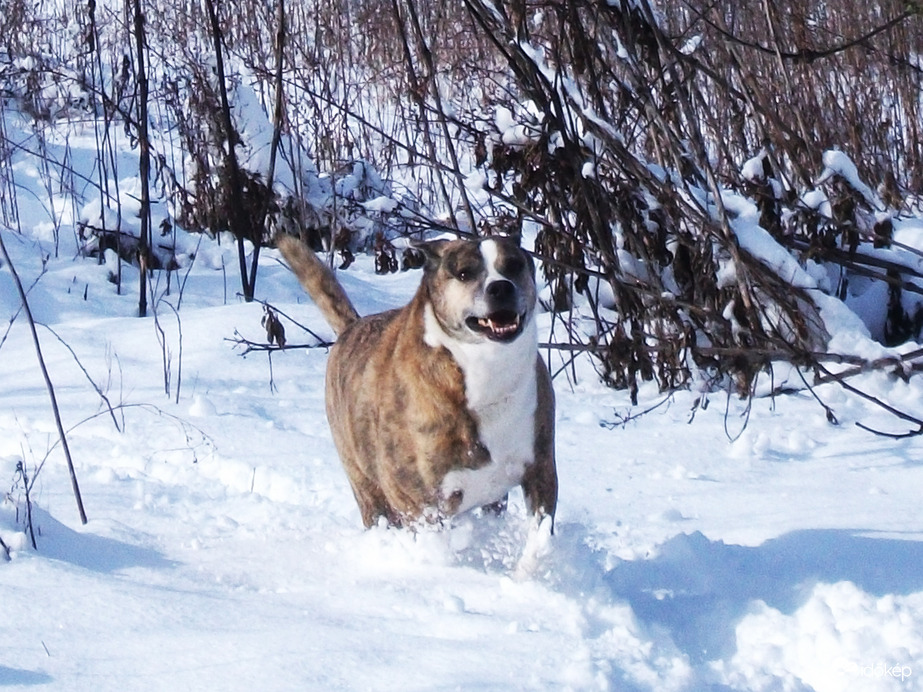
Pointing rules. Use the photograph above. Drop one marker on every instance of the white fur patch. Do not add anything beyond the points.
(490, 251)
(502, 391)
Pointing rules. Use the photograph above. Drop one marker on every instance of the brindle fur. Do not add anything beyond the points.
(397, 407)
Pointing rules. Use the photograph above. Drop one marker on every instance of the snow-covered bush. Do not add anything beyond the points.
(660, 155)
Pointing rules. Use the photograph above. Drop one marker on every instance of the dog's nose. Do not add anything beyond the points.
(501, 290)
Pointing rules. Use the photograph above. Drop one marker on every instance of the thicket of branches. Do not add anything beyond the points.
(623, 134)
(640, 125)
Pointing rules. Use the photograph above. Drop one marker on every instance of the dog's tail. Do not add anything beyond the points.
(320, 283)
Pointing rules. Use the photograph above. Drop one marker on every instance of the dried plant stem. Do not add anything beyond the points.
(27, 489)
(48, 385)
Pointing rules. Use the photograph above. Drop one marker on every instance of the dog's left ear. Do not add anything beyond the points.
(432, 250)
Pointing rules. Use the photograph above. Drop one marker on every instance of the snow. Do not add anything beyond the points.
(691, 45)
(512, 132)
(752, 169)
(224, 549)
(380, 204)
(817, 200)
(709, 544)
(837, 163)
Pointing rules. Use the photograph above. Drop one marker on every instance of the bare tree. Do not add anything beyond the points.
(239, 223)
(144, 163)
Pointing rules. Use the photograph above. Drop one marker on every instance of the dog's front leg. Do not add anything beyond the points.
(540, 480)
(540, 488)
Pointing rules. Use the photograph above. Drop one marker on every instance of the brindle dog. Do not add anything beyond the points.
(443, 405)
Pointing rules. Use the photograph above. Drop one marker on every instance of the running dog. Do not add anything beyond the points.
(443, 405)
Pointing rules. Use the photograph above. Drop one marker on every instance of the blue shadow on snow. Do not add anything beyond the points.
(700, 589)
(20, 677)
(89, 551)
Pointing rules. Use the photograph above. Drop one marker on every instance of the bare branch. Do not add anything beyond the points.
(48, 385)
(92, 382)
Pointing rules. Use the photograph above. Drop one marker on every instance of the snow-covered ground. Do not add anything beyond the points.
(734, 546)
(224, 549)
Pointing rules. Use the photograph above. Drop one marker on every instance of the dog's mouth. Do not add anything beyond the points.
(502, 325)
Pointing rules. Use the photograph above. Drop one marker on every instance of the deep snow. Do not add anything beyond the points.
(224, 549)
(745, 546)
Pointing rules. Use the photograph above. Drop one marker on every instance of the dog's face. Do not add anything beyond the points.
(480, 290)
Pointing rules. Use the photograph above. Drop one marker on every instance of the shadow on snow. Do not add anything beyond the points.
(18, 676)
(698, 590)
(89, 551)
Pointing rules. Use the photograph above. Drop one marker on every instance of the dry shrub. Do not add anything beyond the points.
(624, 124)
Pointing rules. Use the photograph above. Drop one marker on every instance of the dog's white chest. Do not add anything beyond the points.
(502, 391)
(507, 429)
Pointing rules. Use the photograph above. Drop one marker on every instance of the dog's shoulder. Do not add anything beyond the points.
(388, 347)
(367, 330)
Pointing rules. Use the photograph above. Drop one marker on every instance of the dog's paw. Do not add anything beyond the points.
(537, 548)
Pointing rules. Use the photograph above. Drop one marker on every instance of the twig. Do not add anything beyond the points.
(276, 136)
(48, 385)
(904, 362)
(621, 421)
(15, 314)
(745, 415)
(321, 340)
(92, 382)
(179, 357)
(27, 488)
(183, 425)
(271, 348)
(893, 436)
(426, 56)
(808, 55)
(859, 262)
(831, 416)
(878, 402)
(167, 356)
(272, 381)
(417, 93)
(182, 285)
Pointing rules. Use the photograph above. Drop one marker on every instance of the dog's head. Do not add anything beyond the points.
(480, 290)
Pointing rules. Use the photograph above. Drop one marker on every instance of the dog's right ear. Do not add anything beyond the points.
(432, 250)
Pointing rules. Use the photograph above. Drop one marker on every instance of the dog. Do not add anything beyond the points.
(444, 405)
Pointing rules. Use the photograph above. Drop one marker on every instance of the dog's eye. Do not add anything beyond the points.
(465, 274)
